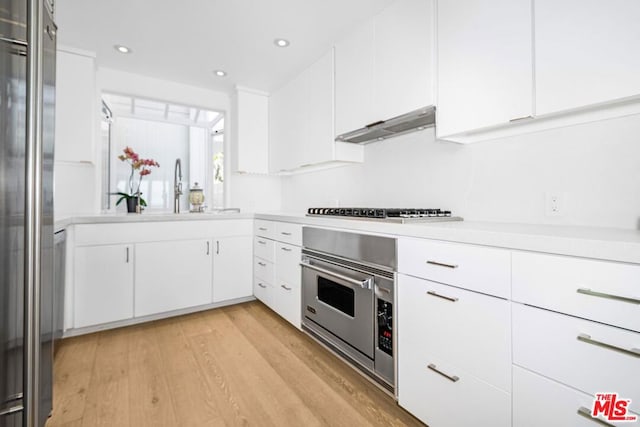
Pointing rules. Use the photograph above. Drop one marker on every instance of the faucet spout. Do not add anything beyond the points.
(177, 185)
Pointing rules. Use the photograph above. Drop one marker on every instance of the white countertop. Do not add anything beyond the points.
(149, 217)
(589, 242)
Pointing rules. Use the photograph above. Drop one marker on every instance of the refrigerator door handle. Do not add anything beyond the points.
(11, 410)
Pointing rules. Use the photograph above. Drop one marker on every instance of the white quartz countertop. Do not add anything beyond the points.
(591, 242)
(149, 217)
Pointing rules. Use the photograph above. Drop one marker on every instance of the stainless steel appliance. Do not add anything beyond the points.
(27, 96)
(401, 216)
(348, 288)
(413, 121)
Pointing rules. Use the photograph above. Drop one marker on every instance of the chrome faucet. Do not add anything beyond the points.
(177, 186)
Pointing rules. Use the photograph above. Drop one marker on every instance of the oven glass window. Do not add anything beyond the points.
(337, 296)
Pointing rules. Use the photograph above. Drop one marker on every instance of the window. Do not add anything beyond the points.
(164, 132)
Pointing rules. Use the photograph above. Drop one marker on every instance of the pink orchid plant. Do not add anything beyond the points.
(142, 166)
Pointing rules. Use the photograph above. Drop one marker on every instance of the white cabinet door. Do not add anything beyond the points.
(403, 57)
(585, 52)
(75, 107)
(319, 136)
(263, 291)
(288, 116)
(103, 284)
(172, 275)
(354, 80)
(232, 264)
(484, 64)
(252, 115)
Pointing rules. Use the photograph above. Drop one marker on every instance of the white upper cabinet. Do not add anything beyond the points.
(301, 122)
(586, 52)
(319, 142)
(287, 125)
(509, 67)
(404, 34)
(384, 68)
(76, 107)
(252, 131)
(354, 70)
(484, 64)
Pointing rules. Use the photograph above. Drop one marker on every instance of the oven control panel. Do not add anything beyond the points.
(385, 326)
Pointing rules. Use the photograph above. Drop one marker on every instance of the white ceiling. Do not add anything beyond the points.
(186, 40)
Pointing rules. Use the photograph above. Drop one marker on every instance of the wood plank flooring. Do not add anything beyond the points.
(235, 366)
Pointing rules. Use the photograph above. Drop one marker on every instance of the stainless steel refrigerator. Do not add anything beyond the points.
(27, 97)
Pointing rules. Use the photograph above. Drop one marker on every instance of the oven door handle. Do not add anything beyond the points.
(364, 284)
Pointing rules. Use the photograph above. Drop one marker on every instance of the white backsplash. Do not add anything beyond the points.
(595, 168)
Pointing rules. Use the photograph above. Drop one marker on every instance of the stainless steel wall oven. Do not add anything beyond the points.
(348, 283)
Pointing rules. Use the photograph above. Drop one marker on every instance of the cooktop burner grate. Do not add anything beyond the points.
(386, 214)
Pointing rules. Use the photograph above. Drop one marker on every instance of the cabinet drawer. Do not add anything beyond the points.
(538, 401)
(439, 401)
(549, 343)
(468, 329)
(264, 228)
(478, 268)
(262, 290)
(264, 270)
(603, 291)
(288, 302)
(288, 263)
(263, 248)
(289, 233)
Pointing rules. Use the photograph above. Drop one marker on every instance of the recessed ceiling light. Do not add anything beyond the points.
(281, 42)
(220, 73)
(122, 49)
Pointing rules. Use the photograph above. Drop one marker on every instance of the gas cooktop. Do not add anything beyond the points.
(396, 215)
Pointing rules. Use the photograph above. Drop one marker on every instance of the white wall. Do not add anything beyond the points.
(596, 166)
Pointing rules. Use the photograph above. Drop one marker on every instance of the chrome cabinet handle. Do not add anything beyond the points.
(262, 229)
(587, 338)
(286, 249)
(207, 247)
(262, 242)
(364, 284)
(589, 292)
(442, 264)
(217, 247)
(285, 287)
(261, 285)
(435, 294)
(127, 260)
(585, 412)
(262, 264)
(452, 378)
(517, 119)
(285, 233)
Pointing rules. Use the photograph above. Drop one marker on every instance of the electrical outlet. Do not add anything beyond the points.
(554, 204)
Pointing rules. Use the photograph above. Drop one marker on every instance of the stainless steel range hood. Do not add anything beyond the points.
(410, 122)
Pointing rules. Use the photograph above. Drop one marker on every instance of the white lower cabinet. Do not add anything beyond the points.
(449, 396)
(172, 275)
(276, 269)
(232, 268)
(587, 355)
(103, 279)
(263, 290)
(454, 354)
(539, 401)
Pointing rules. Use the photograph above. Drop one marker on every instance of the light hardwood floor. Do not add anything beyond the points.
(238, 365)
